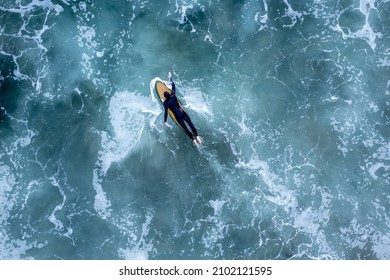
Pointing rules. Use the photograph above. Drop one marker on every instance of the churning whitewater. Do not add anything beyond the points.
(291, 98)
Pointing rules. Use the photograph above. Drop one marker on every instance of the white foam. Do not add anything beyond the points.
(244, 129)
(133, 253)
(366, 32)
(142, 248)
(194, 100)
(383, 152)
(310, 220)
(357, 235)
(86, 41)
(373, 107)
(86, 37)
(101, 204)
(183, 15)
(83, 6)
(349, 102)
(65, 2)
(366, 5)
(46, 4)
(387, 92)
(129, 113)
(34, 40)
(375, 167)
(212, 236)
(86, 62)
(7, 182)
(52, 218)
(10, 248)
(381, 246)
(152, 86)
(262, 19)
(307, 219)
(294, 15)
(217, 206)
(99, 54)
(381, 241)
(345, 124)
(384, 62)
(280, 194)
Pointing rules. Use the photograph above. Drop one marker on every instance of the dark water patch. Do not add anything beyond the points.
(42, 196)
(10, 22)
(12, 93)
(351, 20)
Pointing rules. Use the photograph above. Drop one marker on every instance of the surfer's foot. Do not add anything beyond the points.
(195, 143)
(198, 139)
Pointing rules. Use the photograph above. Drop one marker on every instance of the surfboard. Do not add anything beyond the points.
(160, 88)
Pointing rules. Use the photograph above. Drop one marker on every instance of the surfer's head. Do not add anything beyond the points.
(167, 95)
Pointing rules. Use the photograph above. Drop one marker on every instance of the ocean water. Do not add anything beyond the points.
(291, 98)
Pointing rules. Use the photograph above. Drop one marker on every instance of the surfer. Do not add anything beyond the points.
(172, 103)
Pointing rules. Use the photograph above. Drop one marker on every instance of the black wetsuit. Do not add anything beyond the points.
(180, 114)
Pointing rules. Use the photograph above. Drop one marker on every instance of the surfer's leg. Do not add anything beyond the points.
(183, 125)
(188, 120)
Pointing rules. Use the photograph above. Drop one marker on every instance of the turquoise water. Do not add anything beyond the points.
(291, 99)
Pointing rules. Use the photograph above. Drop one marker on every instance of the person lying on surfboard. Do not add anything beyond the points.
(172, 103)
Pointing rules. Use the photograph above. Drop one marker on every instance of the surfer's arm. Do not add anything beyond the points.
(165, 118)
(173, 91)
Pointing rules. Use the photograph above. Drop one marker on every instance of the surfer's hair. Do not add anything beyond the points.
(167, 95)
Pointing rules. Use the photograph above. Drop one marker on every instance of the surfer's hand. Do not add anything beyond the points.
(168, 125)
